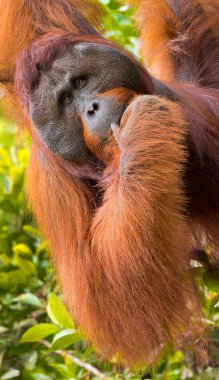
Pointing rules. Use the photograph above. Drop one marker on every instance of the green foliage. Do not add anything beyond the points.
(38, 339)
(120, 26)
(58, 313)
(39, 332)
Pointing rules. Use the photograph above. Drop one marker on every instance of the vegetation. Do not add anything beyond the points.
(38, 339)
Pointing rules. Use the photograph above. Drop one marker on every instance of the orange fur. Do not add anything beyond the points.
(173, 29)
(21, 25)
(109, 258)
(156, 21)
(119, 237)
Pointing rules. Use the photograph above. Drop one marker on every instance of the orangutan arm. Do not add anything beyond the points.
(136, 294)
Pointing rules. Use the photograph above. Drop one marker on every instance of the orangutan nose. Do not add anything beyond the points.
(92, 109)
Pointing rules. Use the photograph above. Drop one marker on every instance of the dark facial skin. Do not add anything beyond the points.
(71, 92)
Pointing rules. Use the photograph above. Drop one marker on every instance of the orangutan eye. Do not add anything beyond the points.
(66, 98)
(80, 82)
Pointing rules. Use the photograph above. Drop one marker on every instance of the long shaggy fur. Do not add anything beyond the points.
(179, 39)
(121, 237)
(23, 21)
(109, 259)
(180, 44)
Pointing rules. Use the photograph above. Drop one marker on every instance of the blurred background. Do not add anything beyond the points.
(38, 340)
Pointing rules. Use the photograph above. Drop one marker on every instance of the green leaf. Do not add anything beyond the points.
(3, 329)
(40, 376)
(58, 313)
(38, 332)
(12, 279)
(65, 339)
(8, 206)
(25, 265)
(211, 280)
(32, 231)
(29, 299)
(11, 374)
(22, 249)
(31, 361)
